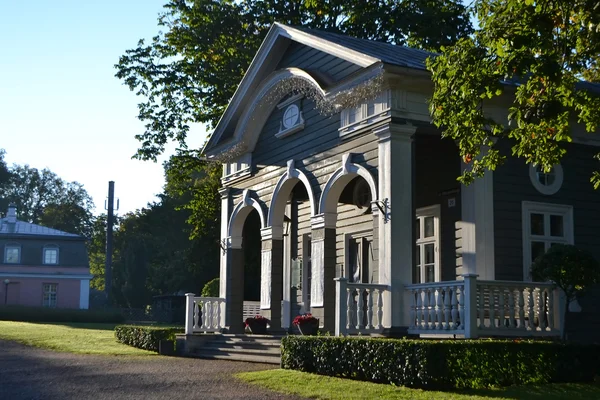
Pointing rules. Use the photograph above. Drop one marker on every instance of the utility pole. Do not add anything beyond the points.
(109, 242)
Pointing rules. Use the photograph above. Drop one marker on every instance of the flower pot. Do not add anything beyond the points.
(257, 328)
(309, 328)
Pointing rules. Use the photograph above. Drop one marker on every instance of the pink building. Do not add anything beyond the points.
(40, 266)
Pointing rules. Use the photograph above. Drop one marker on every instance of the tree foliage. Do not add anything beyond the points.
(534, 54)
(42, 197)
(188, 73)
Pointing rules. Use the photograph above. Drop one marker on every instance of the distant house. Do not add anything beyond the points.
(41, 266)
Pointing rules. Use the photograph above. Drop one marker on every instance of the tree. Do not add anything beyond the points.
(4, 181)
(533, 53)
(188, 73)
(571, 269)
(42, 197)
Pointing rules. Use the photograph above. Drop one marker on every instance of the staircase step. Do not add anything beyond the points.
(234, 356)
(240, 349)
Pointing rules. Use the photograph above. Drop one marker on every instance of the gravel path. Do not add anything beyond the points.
(30, 373)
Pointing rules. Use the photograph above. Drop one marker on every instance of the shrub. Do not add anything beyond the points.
(44, 314)
(145, 337)
(211, 289)
(445, 364)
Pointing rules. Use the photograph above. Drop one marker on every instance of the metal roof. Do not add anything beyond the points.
(386, 52)
(26, 228)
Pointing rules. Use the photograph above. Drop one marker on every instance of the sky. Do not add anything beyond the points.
(62, 108)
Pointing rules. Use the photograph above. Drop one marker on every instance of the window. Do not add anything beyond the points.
(12, 254)
(359, 258)
(544, 225)
(291, 116)
(546, 183)
(51, 255)
(292, 120)
(49, 294)
(371, 111)
(427, 268)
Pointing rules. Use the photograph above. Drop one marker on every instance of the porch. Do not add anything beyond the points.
(466, 308)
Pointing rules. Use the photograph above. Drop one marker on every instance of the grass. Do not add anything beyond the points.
(82, 338)
(328, 388)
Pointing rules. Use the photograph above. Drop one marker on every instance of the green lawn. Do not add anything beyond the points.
(69, 337)
(328, 388)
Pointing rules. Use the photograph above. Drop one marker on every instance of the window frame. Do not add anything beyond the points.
(50, 293)
(365, 238)
(551, 189)
(422, 213)
(546, 209)
(47, 248)
(12, 246)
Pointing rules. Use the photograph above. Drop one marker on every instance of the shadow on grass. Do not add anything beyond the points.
(81, 325)
(557, 391)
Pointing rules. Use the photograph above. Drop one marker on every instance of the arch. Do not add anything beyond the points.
(261, 104)
(338, 181)
(282, 191)
(241, 211)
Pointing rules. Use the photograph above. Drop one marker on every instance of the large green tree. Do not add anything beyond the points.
(188, 73)
(534, 55)
(4, 181)
(42, 197)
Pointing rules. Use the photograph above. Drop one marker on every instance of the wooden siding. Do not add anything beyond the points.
(437, 167)
(310, 59)
(512, 186)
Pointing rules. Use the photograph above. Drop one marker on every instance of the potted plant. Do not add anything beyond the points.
(307, 324)
(257, 324)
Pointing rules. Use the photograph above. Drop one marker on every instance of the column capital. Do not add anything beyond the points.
(234, 242)
(272, 233)
(325, 220)
(395, 131)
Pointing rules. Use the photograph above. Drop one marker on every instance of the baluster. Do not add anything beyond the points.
(196, 314)
(461, 307)
(413, 308)
(218, 315)
(541, 309)
(512, 323)
(359, 309)
(530, 308)
(439, 304)
(481, 297)
(369, 309)
(380, 310)
(349, 306)
(426, 308)
(550, 309)
(447, 308)
(501, 310)
(521, 310)
(492, 307)
(206, 314)
(454, 312)
(419, 308)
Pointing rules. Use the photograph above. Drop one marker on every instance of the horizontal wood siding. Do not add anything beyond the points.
(437, 167)
(310, 59)
(512, 186)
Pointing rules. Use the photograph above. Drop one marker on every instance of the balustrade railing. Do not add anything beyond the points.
(517, 308)
(359, 307)
(437, 307)
(203, 314)
(476, 308)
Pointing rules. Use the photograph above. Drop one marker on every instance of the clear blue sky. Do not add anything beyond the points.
(61, 106)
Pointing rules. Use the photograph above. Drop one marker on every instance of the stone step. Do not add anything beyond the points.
(235, 348)
(247, 357)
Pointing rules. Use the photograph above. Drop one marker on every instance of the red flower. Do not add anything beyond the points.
(258, 319)
(304, 318)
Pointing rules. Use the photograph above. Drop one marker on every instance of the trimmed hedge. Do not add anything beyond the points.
(45, 314)
(145, 337)
(442, 364)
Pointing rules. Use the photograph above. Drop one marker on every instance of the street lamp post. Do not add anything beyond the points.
(6, 282)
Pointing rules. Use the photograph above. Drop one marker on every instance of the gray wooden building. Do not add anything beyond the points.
(343, 194)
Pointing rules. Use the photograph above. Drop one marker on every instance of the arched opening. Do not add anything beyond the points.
(251, 249)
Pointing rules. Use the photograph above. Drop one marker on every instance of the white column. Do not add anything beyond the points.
(477, 225)
(267, 234)
(225, 213)
(396, 224)
(84, 294)
(319, 223)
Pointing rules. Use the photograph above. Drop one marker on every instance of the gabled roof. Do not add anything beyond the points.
(361, 52)
(26, 228)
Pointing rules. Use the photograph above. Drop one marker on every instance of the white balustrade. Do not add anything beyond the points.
(203, 314)
(436, 308)
(517, 308)
(359, 307)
